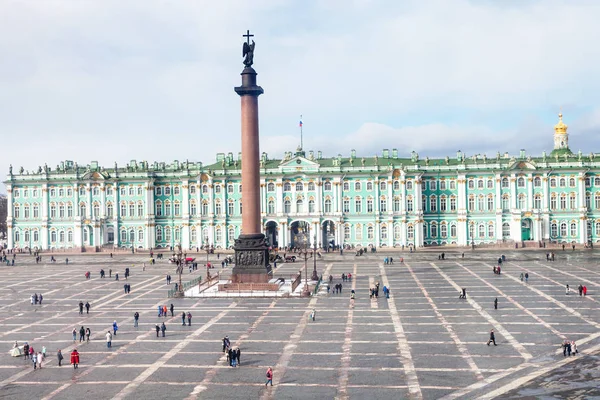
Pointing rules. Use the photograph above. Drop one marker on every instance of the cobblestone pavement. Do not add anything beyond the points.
(423, 342)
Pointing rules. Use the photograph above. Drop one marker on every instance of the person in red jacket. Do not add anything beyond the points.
(75, 359)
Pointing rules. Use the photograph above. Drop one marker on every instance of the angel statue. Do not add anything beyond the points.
(248, 53)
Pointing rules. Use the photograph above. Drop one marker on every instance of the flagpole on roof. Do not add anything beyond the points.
(301, 136)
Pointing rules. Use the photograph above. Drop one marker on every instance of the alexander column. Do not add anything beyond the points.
(251, 251)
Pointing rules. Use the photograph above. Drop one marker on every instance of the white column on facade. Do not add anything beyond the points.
(403, 194)
(529, 183)
(77, 232)
(498, 179)
(44, 231)
(390, 231)
(513, 192)
(376, 196)
(211, 233)
(461, 200)
(279, 198)
(377, 233)
(390, 197)
(9, 216)
(319, 196)
(103, 200)
(150, 234)
(185, 208)
(88, 209)
(338, 195)
(581, 191)
(418, 203)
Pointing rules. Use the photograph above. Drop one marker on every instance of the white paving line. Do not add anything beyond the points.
(514, 302)
(447, 325)
(556, 282)
(492, 321)
(141, 378)
(347, 347)
(405, 356)
(517, 382)
(210, 375)
(559, 303)
(280, 368)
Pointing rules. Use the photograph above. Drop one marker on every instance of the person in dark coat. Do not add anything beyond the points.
(237, 356)
(87, 307)
(81, 334)
(496, 304)
(172, 309)
(60, 357)
(163, 329)
(230, 356)
(80, 308)
(157, 329)
(183, 320)
(492, 338)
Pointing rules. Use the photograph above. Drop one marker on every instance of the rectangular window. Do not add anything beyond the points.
(158, 191)
(452, 203)
(346, 205)
(383, 205)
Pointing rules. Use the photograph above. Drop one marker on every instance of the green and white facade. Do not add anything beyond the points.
(383, 201)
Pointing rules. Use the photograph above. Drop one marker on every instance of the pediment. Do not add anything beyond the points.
(96, 175)
(521, 164)
(299, 163)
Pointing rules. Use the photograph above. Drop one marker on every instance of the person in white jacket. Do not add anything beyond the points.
(108, 339)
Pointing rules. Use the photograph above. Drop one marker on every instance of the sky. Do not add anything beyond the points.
(120, 80)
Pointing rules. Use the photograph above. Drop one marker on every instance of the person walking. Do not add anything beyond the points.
(80, 308)
(163, 329)
(269, 376)
(172, 310)
(40, 357)
(60, 357)
(136, 318)
(87, 307)
(115, 327)
(526, 276)
(81, 334)
(492, 338)
(496, 304)
(44, 352)
(238, 353)
(230, 356)
(88, 333)
(183, 318)
(189, 317)
(34, 361)
(74, 334)
(567, 290)
(108, 340)
(75, 358)
(26, 350)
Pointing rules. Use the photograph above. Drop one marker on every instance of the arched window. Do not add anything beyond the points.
(287, 187)
(204, 189)
(287, 206)
(504, 183)
(490, 203)
(327, 206)
(140, 235)
(563, 229)
(193, 235)
(327, 186)
(444, 231)
(409, 185)
(384, 232)
(433, 230)
(36, 236)
(205, 207)
(299, 187)
(358, 232)
(598, 228)
(311, 206)
(299, 206)
(140, 209)
(346, 186)
(572, 182)
(96, 210)
(410, 232)
(480, 184)
(61, 236)
(167, 234)
(346, 232)
(471, 184)
(218, 234)
(70, 236)
(159, 209)
(553, 229)
(218, 207)
(357, 186)
(123, 236)
(397, 232)
(537, 182)
(396, 185)
(573, 229)
(370, 234)
(192, 189)
(36, 211)
(369, 186)
(270, 187)
(123, 210)
(17, 236)
(357, 205)
(521, 182)
(481, 231)
(491, 233)
(109, 210)
(27, 237)
(311, 186)
(382, 186)
(271, 207)
(217, 189)
(53, 236)
(231, 234)
(159, 234)
(176, 191)
(396, 204)
(562, 182)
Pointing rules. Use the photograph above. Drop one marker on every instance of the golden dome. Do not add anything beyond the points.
(561, 127)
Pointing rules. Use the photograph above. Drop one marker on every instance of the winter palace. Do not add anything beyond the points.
(386, 200)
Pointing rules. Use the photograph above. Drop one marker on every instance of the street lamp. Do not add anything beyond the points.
(305, 245)
(179, 261)
(315, 277)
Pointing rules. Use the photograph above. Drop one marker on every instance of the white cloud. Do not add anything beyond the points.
(117, 80)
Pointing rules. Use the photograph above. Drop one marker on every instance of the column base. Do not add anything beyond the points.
(251, 260)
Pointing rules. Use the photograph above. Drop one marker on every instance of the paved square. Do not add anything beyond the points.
(422, 342)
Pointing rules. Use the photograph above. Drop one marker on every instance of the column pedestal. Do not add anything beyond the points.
(251, 260)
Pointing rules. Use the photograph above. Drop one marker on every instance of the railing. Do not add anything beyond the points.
(186, 286)
(318, 285)
(296, 281)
